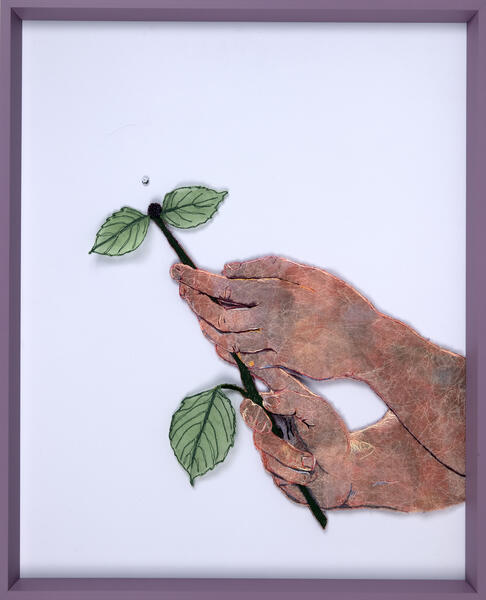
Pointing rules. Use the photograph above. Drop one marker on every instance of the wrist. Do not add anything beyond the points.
(388, 342)
(423, 385)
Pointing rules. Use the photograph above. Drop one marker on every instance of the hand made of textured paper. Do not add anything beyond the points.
(283, 317)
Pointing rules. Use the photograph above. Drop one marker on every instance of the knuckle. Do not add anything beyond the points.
(258, 440)
(206, 335)
(265, 462)
(271, 260)
(262, 422)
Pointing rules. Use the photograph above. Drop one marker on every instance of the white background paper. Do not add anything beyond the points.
(341, 146)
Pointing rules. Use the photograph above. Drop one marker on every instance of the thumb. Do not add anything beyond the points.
(319, 427)
(273, 267)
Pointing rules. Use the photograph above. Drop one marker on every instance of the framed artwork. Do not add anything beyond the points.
(242, 263)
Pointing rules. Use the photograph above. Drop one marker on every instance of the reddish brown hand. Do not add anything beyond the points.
(295, 316)
(381, 466)
(278, 313)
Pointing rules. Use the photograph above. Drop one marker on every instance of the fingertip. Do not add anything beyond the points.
(245, 403)
(231, 269)
(246, 412)
(226, 356)
(176, 271)
(255, 417)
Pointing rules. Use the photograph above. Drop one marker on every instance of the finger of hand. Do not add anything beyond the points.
(307, 407)
(248, 341)
(317, 423)
(270, 266)
(217, 286)
(225, 355)
(290, 490)
(289, 396)
(274, 378)
(224, 319)
(273, 466)
(266, 266)
(255, 417)
(254, 360)
(284, 452)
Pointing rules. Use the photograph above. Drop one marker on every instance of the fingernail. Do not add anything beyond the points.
(176, 271)
(308, 462)
(271, 401)
(182, 291)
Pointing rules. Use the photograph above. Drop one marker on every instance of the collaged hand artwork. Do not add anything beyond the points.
(280, 322)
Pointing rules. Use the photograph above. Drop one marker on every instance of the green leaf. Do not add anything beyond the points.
(188, 207)
(202, 431)
(123, 232)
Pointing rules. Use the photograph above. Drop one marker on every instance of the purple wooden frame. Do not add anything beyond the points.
(472, 12)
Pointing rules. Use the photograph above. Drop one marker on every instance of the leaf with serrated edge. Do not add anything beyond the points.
(187, 207)
(202, 431)
(121, 233)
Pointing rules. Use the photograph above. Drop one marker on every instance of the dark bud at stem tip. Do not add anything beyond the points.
(154, 210)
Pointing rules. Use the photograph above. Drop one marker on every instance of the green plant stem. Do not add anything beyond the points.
(253, 394)
(178, 249)
(250, 390)
(234, 388)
